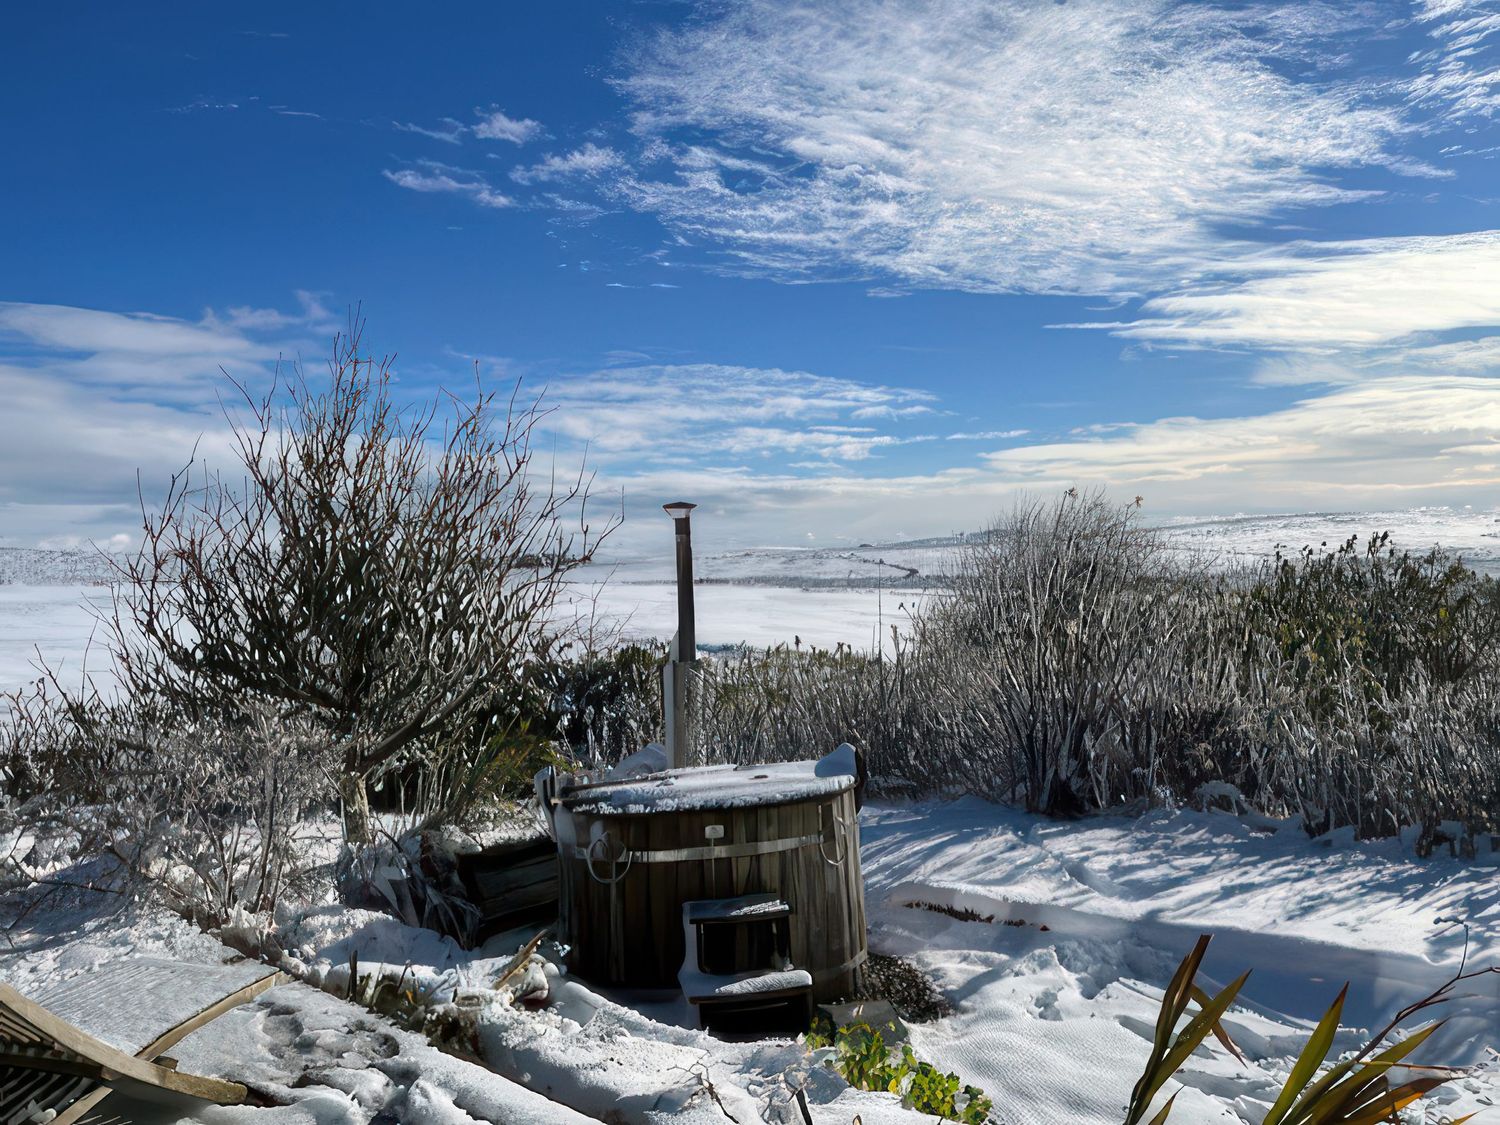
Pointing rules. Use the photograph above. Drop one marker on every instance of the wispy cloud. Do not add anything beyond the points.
(1461, 72)
(312, 314)
(93, 397)
(448, 131)
(1394, 435)
(1092, 147)
(588, 162)
(1336, 294)
(440, 179)
(884, 410)
(493, 124)
(647, 413)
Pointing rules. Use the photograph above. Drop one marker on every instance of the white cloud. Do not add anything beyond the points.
(650, 413)
(588, 162)
(441, 181)
(449, 131)
(494, 125)
(1336, 294)
(1389, 442)
(93, 398)
(1460, 73)
(93, 330)
(312, 315)
(1477, 356)
(884, 411)
(1096, 146)
(1391, 435)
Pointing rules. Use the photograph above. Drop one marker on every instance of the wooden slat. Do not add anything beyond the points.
(116, 1062)
(496, 884)
(521, 899)
(20, 1087)
(74, 1114)
(212, 1012)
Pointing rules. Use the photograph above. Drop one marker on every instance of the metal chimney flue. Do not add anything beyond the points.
(677, 675)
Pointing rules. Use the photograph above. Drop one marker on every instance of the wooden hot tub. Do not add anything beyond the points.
(631, 852)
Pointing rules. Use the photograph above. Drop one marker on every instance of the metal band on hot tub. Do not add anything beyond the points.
(727, 851)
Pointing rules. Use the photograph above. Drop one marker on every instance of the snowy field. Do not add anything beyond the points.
(55, 621)
(1054, 992)
(822, 596)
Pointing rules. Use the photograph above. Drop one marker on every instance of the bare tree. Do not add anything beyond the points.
(383, 574)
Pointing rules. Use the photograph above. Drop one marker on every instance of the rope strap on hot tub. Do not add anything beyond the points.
(724, 851)
(821, 975)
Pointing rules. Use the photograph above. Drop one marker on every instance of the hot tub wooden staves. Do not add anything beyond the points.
(631, 853)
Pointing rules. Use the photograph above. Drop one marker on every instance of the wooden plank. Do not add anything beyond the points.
(212, 1012)
(20, 1087)
(494, 884)
(116, 1063)
(656, 916)
(75, 1112)
(520, 899)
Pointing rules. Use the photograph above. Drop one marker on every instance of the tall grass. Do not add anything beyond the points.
(1081, 663)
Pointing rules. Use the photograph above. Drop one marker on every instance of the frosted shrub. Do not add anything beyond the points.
(380, 572)
(210, 813)
(1079, 664)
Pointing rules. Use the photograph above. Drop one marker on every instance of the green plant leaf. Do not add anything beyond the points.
(1160, 1118)
(1309, 1060)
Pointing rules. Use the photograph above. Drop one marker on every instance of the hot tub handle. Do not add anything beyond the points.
(839, 823)
(616, 872)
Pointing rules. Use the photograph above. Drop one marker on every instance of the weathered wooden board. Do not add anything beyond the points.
(64, 1048)
(512, 885)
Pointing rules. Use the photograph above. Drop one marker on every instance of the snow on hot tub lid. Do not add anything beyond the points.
(716, 787)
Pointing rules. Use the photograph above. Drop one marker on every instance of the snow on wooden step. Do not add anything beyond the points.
(131, 1003)
(745, 908)
(698, 987)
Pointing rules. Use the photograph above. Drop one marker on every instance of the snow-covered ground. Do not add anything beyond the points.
(1472, 532)
(1054, 998)
(824, 596)
(53, 621)
(1101, 910)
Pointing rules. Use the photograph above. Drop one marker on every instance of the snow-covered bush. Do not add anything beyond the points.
(381, 573)
(414, 877)
(210, 812)
(604, 702)
(1079, 664)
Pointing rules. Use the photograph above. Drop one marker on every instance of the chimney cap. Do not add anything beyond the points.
(679, 509)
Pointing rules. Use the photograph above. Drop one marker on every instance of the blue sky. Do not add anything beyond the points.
(836, 271)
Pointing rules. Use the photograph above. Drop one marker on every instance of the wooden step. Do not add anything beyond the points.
(740, 910)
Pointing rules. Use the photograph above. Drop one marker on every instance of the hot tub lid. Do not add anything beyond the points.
(709, 787)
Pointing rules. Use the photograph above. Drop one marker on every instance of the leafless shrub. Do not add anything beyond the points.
(383, 574)
(209, 815)
(366, 596)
